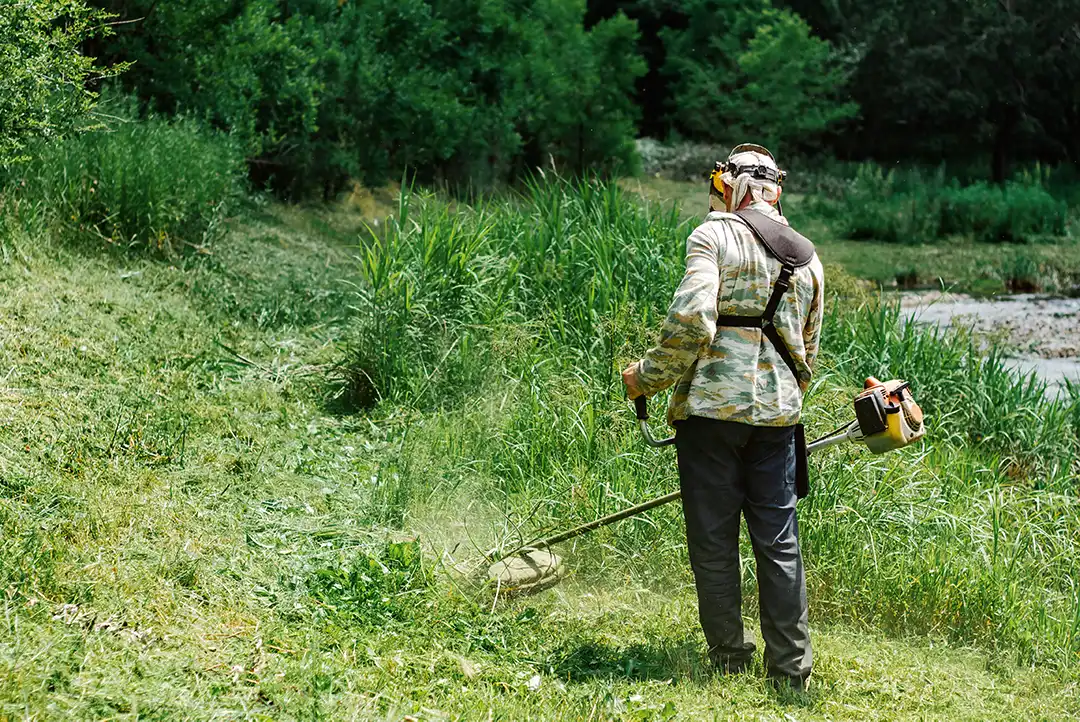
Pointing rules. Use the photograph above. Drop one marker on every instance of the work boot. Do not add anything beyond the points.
(733, 662)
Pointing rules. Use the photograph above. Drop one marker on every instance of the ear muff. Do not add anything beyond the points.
(716, 185)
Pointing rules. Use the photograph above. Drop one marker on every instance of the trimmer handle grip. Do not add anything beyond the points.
(641, 406)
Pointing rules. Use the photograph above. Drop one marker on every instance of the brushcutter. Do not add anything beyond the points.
(886, 418)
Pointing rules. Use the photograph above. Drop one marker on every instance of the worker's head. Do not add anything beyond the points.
(749, 175)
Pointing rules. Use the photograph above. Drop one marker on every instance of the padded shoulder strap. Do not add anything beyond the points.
(784, 242)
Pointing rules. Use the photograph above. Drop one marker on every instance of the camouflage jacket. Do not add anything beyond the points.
(728, 373)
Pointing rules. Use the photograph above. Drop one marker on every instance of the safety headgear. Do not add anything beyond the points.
(749, 169)
(757, 171)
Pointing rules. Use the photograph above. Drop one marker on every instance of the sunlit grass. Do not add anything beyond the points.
(190, 529)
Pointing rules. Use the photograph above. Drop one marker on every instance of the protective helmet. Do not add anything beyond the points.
(758, 171)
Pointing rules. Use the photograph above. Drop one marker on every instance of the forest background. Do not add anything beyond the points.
(478, 92)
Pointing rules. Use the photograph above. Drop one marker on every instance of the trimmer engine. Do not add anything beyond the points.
(888, 416)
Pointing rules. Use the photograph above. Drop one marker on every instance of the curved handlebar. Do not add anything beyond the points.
(641, 406)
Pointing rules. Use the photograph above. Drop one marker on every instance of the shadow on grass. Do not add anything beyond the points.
(589, 659)
(585, 660)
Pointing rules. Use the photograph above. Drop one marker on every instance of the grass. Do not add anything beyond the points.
(916, 206)
(164, 187)
(961, 266)
(191, 530)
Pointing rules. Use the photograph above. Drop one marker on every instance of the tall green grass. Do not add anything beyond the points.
(432, 290)
(971, 536)
(151, 184)
(572, 263)
(971, 394)
(912, 206)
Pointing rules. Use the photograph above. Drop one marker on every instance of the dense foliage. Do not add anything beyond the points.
(481, 91)
(43, 74)
(956, 80)
(924, 207)
(725, 70)
(959, 79)
(157, 185)
(322, 91)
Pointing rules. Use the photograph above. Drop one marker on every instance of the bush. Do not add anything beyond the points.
(892, 207)
(1015, 212)
(680, 161)
(152, 184)
(910, 206)
(45, 74)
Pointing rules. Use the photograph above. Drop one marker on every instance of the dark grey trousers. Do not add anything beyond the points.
(726, 470)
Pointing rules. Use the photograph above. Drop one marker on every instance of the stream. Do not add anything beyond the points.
(1042, 332)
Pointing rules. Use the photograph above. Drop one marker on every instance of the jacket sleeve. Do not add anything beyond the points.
(691, 319)
(814, 319)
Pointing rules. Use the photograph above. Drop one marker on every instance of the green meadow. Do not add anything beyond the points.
(242, 475)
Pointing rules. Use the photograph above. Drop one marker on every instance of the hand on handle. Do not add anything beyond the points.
(641, 405)
(630, 381)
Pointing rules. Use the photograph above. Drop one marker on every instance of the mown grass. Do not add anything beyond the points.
(190, 530)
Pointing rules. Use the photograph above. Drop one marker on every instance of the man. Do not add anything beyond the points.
(736, 405)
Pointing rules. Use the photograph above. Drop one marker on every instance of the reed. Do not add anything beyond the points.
(970, 536)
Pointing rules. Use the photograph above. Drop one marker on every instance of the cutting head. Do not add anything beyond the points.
(526, 572)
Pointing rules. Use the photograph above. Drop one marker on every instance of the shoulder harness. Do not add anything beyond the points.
(793, 250)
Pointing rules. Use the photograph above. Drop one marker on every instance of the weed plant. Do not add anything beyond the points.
(573, 260)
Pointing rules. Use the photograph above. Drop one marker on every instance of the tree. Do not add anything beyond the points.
(746, 70)
(460, 91)
(960, 79)
(721, 69)
(44, 78)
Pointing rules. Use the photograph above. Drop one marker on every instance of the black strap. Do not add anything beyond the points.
(783, 283)
(781, 348)
(765, 320)
(793, 251)
(781, 240)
